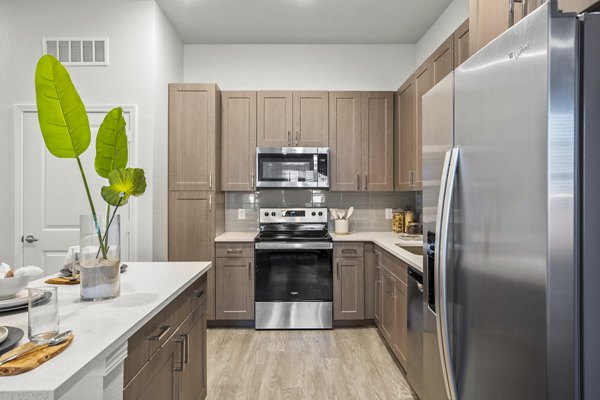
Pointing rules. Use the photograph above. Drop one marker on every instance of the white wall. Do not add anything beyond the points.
(132, 26)
(454, 15)
(300, 67)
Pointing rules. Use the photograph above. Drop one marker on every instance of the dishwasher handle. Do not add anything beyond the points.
(417, 276)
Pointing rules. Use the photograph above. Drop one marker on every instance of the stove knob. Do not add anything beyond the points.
(273, 214)
(313, 213)
(266, 214)
(320, 213)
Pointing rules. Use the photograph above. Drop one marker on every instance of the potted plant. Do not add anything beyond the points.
(66, 131)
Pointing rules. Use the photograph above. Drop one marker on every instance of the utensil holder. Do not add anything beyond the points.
(341, 227)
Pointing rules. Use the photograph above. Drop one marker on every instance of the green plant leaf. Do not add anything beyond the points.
(111, 143)
(61, 113)
(124, 182)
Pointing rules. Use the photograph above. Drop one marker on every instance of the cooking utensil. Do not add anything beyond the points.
(334, 213)
(341, 213)
(56, 340)
(350, 212)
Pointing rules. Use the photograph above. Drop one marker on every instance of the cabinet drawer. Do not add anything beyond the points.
(393, 264)
(237, 249)
(349, 250)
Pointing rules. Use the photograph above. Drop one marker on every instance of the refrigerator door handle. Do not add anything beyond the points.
(448, 184)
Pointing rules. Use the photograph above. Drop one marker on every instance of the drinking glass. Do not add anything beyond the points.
(43, 314)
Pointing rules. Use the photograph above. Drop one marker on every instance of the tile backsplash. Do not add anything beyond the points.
(369, 208)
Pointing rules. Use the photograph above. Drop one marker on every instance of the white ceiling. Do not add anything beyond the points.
(302, 21)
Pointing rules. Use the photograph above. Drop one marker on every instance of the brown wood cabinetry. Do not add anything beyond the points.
(379, 288)
(370, 280)
(405, 147)
(348, 281)
(378, 141)
(235, 281)
(400, 335)
(310, 119)
(345, 141)
(167, 356)
(461, 44)
(442, 60)
(274, 119)
(238, 131)
(490, 18)
(194, 148)
(387, 306)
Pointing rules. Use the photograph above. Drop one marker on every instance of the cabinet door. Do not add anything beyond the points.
(379, 290)
(400, 333)
(192, 136)
(405, 147)
(487, 20)
(238, 140)
(192, 338)
(423, 82)
(235, 288)
(311, 119)
(387, 309)
(274, 119)
(370, 280)
(348, 289)
(378, 141)
(157, 380)
(443, 60)
(461, 44)
(345, 140)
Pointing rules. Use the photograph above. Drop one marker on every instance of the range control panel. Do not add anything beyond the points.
(298, 215)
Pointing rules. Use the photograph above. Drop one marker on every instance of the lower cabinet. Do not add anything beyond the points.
(400, 332)
(348, 281)
(235, 281)
(167, 356)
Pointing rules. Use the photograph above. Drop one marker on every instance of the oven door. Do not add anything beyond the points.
(293, 167)
(294, 272)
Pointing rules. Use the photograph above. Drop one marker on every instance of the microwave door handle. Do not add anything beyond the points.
(290, 138)
(441, 266)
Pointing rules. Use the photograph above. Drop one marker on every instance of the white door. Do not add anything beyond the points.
(54, 196)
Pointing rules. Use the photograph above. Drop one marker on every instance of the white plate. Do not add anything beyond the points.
(3, 333)
(20, 299)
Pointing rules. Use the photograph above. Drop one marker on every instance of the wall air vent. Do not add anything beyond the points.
(78, 51)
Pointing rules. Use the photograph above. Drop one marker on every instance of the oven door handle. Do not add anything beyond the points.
(293, 246)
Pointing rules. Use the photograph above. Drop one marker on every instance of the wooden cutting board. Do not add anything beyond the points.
(62, 280)
(31, 360)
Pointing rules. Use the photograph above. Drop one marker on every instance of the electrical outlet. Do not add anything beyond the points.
(241, 213)
(388, 213)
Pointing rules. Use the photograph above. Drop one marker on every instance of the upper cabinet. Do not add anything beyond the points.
(311, 119)
(489, 18)
(345, 140)
(405, 144)
(461, 44)
(361, 140)
(442, 60)
(193, 136)
(378, 141)
(238, 131)
(274, 119)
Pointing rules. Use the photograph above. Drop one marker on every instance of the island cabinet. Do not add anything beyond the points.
(391, 303)
(235, 281)
(238, 141)
(348, 281)
(361, 141)
(167, 356)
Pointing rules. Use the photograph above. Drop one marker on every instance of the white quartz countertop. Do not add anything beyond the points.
(387, 241)
(100, 328)
(236, 237)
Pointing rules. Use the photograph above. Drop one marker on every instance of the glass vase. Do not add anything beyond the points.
(99, 268)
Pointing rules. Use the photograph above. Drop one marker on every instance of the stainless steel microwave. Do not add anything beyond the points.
(292, 167)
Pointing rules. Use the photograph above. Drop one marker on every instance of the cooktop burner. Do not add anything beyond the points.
(298, 224)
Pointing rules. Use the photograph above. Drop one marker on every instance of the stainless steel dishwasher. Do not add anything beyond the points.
(414, 370)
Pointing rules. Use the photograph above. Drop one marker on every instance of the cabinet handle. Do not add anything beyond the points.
(357, 181)
(198, 293)
(354, 251)
(366, 182)
(297, 137)
(210, 202)
(210, 180)
(186, 344)
(249, 270)
(252, 181)
(337, 268)
(181, 366)
(411, 178)
(511, 12)
(378, 258)
(164, 329)
(290, 138)
(392, 295)
(235, 250)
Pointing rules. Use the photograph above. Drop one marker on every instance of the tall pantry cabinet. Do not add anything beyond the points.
(196, 204)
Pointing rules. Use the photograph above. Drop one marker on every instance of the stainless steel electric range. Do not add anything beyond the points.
(294, 269)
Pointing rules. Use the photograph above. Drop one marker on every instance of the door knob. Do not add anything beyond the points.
(29, 239)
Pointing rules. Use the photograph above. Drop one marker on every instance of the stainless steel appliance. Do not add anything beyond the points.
(292, 167)
(513, 317)
(414, 367)
(294, 269)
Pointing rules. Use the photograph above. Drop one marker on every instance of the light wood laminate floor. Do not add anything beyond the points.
(345, 364)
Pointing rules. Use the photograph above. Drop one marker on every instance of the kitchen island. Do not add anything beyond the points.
(92, 366)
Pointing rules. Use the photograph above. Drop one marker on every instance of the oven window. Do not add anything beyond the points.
(286, 168)
(294, 275)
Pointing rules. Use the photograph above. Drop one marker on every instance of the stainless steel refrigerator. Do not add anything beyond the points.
(512, 231)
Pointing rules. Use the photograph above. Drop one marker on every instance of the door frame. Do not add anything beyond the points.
(19, 112)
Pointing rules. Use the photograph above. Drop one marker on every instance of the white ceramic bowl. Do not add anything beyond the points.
(9, 287)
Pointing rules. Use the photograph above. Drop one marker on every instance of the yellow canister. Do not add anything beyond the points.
(398, 222)
(409, 216)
